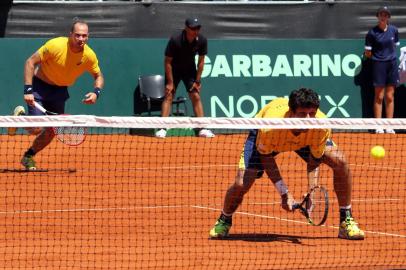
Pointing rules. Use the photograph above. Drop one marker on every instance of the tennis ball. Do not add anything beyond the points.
(378, 152)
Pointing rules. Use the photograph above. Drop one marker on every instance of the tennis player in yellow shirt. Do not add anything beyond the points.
(47, 75)
(314, 146)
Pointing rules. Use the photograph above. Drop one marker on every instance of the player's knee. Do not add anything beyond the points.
(379, 100)
(168, 98)
(240, 189)
(340, 163)
(238, 186)
(389, 99)
(194, 97)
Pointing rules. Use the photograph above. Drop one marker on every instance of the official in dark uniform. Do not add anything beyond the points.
(180, 65)
(380, 45)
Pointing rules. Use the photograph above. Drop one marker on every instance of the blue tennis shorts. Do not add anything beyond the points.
(51, 97)
(250, 157)
(385, 73)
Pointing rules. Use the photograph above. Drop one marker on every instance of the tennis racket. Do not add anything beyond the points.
(314, 206)
(72, 136)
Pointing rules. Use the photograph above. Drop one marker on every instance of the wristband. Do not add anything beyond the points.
(97, 91)
(196, 81)
(281, 187)
(28, 89)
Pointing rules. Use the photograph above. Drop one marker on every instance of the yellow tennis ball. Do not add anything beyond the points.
(378, 152)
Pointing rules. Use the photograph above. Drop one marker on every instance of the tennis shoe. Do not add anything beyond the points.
(379, 131)
(29, 163)
(206, 133)
(160, 133)
(389, 131)
(220, 229)
(349, 230)
(19, 110)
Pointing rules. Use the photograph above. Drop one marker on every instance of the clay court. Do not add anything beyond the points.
(138, 202)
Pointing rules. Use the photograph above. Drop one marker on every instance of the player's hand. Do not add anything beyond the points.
(195, 87)
(90, 98)
(368, 54)
(169, 89)
(288, 202)
(29, 99)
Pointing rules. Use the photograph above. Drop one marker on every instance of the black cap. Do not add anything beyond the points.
(383, 9)
(193, 23)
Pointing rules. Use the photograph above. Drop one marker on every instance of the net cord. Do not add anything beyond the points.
(201, 122)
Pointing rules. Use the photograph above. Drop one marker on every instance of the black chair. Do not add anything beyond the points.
(152, 92)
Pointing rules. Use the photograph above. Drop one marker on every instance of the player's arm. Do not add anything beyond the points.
(369, 41)
(29, 70)
(200, 65)
(313, 172)
(168, 74)
(368, 53)
(91, 97)
(272, 170)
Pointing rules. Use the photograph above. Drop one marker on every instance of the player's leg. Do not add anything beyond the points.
(389, 101)
(166, 106)
(378, 101)
(312, 164)
(392, 81)
(379, 81)
(312, 169)
(232, 200)
(44, 135)
(249, 169)
(195, 98)
(194, 94)
(167, 102)
(342, 178)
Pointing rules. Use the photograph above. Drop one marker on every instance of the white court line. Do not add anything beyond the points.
(107, 209)
(378, 167)
(295, 221)
(188, 167)
(173, 206)
(141, 207)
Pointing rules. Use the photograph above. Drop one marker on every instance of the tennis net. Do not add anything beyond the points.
(124, 199)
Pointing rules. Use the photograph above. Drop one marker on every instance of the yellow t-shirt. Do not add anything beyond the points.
(282, 140)
(62, 66)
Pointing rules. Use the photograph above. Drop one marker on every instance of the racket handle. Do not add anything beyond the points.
(39, 107)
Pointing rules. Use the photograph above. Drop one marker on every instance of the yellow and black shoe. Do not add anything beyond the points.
(349, 230)
(220, 229)
(29, 163)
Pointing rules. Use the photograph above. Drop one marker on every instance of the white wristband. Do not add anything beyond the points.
(281, 187)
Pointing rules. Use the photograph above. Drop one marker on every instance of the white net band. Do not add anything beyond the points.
(201, 122)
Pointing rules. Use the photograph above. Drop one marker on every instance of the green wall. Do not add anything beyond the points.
(239, 77)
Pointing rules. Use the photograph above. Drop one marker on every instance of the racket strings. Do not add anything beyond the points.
(70, 135)
(316, 205)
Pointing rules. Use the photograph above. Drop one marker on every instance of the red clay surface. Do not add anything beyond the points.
(138, 202)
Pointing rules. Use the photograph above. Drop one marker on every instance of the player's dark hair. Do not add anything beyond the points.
(303, 98)
(75, 21)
